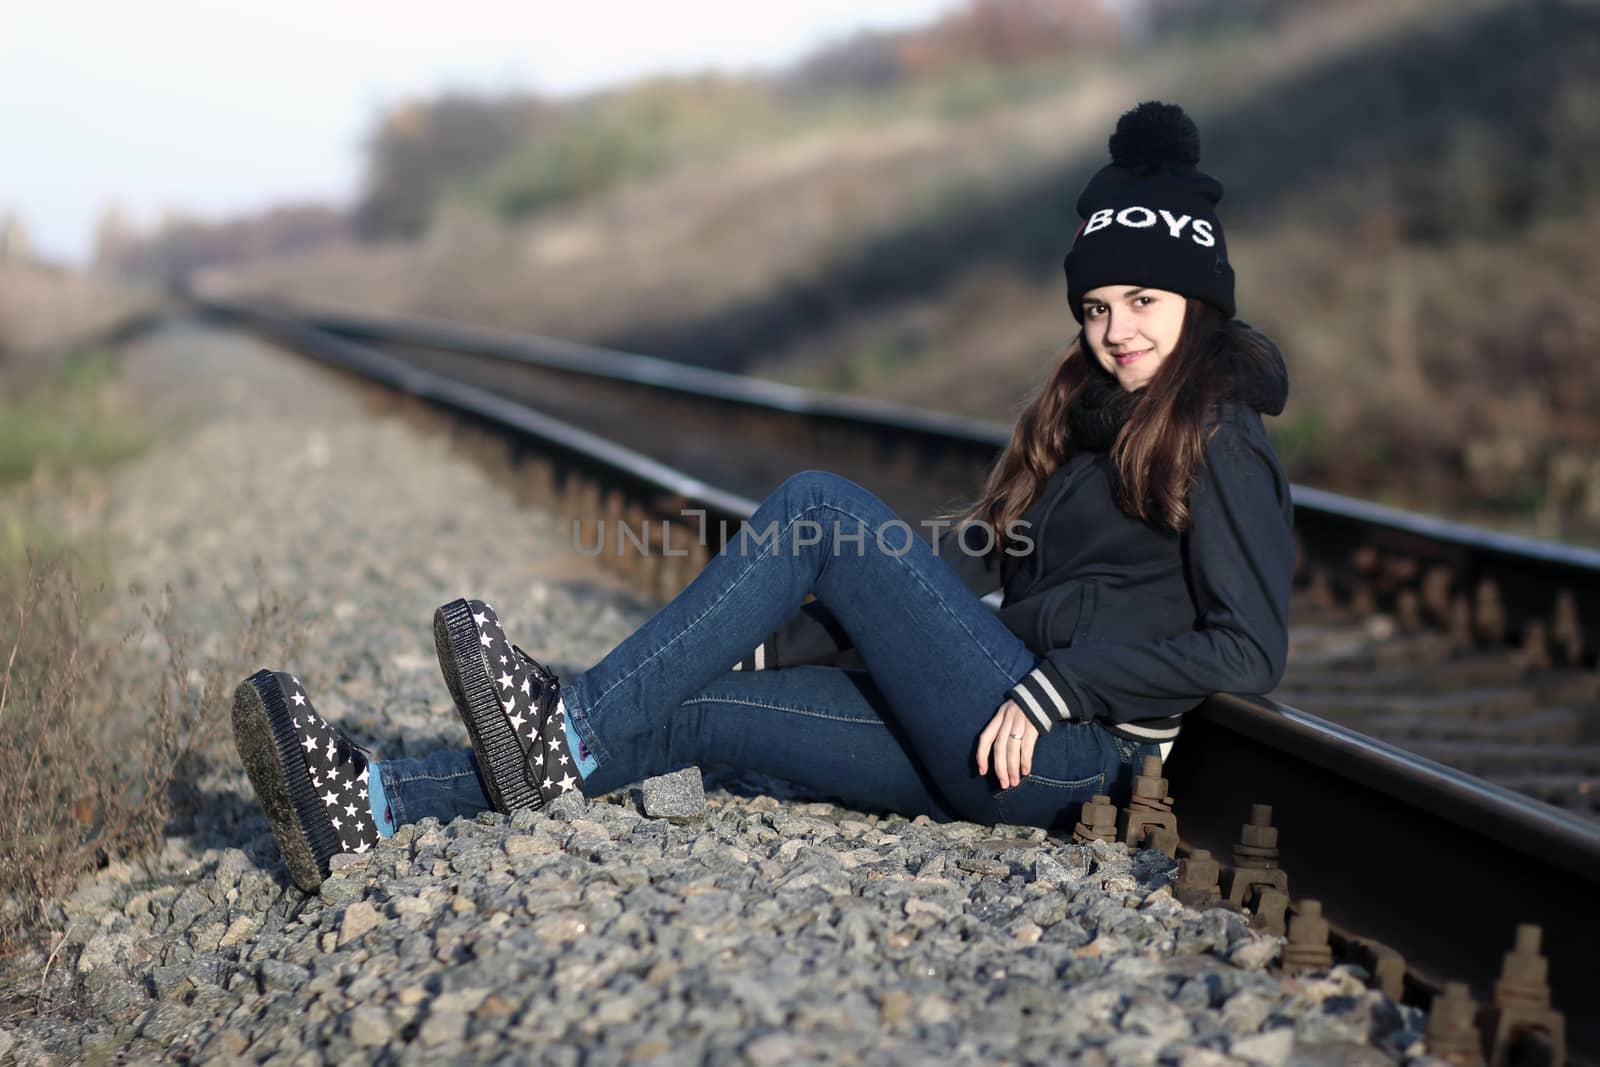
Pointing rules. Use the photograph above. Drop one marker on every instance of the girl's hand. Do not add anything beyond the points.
(1010, 736)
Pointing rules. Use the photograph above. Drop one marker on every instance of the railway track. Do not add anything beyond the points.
(1429, 653)
(1487, 624)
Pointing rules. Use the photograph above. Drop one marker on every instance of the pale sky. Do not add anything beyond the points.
(217, 108)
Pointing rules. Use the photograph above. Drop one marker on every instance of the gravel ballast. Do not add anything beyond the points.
(687, 920)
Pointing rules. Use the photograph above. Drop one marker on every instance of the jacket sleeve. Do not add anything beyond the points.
(1239, 555)
(813, 635)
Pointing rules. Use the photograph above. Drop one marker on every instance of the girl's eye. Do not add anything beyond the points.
(1146, 301)
(1093, 312)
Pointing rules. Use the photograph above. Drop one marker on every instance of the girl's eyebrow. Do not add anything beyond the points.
(1130, 294)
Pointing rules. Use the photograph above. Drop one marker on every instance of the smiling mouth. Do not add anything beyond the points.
(1125, 358)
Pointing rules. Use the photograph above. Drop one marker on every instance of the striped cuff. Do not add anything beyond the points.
(1038, 696)
(755, 661)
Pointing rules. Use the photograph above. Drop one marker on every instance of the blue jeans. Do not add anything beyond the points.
(444, 784)
(900, 736)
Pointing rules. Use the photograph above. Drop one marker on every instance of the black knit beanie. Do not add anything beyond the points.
(1149, 216)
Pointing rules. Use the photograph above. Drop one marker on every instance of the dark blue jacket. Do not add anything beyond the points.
(1133, 625)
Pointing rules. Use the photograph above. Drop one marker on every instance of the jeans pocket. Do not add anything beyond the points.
(1071, 764)
(1047, 802)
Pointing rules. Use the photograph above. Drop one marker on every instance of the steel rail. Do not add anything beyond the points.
(1435, 863)
(663, 374)
(571, 442)
(659, 373)
(1529, 573)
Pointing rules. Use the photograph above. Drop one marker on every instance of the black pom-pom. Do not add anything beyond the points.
(1154, 136)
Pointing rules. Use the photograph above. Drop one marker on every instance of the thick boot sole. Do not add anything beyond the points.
(466, 672)
(263, 730)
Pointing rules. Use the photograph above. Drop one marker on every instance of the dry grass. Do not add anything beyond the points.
(99, 742)
(63, 795)
(1453, 379)
(102, 732)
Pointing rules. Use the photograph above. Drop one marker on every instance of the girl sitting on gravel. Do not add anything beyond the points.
(1138, 523)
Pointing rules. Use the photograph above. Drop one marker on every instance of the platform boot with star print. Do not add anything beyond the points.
(510, 703)
(310, 778)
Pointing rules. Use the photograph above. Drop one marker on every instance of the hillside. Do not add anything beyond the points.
(1387, 166)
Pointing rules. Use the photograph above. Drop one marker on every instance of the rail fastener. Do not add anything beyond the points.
(1148, 821)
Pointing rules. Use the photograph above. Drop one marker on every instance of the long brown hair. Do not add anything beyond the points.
(1158, 452)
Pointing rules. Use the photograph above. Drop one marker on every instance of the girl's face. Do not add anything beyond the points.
(1131, 329)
